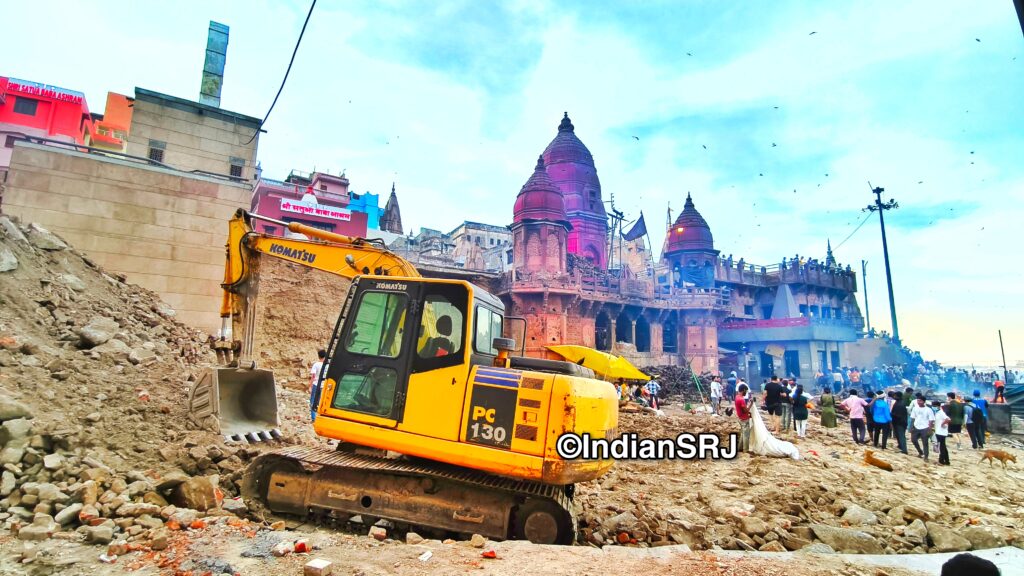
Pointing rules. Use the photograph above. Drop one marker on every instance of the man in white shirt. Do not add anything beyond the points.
(941, 432)
(921, 419)
(314, 383)
(716, 394)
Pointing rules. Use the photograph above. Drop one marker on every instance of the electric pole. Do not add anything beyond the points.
(864, 282)
(1006, 377)
(881, 207)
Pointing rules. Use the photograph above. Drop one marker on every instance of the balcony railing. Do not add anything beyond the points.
(624, 288)
(741, 324)
(816, 273)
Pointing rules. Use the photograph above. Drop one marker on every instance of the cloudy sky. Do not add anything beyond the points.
(775, 115)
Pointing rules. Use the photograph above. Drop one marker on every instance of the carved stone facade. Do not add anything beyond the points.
(791, 317)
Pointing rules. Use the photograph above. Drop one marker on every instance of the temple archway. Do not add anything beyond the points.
(623, 329)
(670, 334)
(643, 334)
(602, 332)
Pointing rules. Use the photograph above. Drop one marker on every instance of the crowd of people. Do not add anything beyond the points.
(880, 417)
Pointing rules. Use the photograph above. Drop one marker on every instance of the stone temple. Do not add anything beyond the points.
(691, 307)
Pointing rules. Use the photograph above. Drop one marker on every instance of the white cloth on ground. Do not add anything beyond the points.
(762, 442)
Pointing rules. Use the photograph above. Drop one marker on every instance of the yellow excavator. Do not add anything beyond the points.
(419, 368)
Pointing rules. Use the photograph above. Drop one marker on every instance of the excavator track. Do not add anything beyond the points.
(310, 482)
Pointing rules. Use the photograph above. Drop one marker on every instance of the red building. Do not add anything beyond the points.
(319, 200)
(33, 109)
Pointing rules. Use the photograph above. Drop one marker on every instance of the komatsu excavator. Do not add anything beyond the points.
(415, 366)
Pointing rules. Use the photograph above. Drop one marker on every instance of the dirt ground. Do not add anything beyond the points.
(95, 445)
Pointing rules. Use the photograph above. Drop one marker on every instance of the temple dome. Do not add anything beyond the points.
(690, 231)
(539, 199)
(571, 167)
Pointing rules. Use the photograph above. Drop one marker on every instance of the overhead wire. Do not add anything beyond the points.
(862, 222)
(286, 72)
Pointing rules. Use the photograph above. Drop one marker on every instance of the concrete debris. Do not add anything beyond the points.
(317, 567)
(198, 493)
(858, 516)
(946, 539)
(8, 261)
(11, 409)
(846, 540)
(44, 239)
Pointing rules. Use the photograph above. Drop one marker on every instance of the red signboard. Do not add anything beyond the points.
(44, 91)
(315, 209)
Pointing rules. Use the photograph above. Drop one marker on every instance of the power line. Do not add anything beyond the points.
(285, 79)
(862, 222)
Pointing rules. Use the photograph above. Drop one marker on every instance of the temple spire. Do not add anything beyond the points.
(391, 218)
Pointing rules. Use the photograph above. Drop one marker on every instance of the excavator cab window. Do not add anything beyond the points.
(442, 327)
(373, 343)
(488, 327)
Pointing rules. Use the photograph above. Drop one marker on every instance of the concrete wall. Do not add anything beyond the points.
(194, 141)
(163, 229)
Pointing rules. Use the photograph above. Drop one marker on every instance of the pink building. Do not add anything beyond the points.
(319, 200)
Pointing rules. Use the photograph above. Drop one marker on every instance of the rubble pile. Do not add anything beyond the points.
(94, 375)
(678, 381)
(829, 501)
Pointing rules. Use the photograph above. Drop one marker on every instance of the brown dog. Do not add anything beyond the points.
(1000, 455)
(869, 458)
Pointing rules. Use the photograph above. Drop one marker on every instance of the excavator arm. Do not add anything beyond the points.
(346, 256)
(240, 400)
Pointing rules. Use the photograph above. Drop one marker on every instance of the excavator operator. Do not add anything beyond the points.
(440, 345)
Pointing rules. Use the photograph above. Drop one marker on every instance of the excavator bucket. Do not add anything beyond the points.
(240, 404)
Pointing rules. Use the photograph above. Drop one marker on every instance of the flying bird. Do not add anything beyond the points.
(977, 39)
(636, 138)
(688, 54)
(773, 144)
(761, 174)
(704, 146)
(920, 181)
(812, 33)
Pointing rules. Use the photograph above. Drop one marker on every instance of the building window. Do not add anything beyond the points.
(25, 106)
(492, 241)
(236, 166)
(837, 312)
(803, 309)
(748, 310)
(156, 150)
(323, 187)
(9, 143)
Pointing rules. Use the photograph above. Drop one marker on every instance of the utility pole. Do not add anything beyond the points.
(881, 207)
(864, 282)
(1006, 377)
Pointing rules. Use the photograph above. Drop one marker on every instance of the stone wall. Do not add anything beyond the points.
(194, 141)
(163, 229)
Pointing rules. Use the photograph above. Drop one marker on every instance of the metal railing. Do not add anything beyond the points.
(626, 288)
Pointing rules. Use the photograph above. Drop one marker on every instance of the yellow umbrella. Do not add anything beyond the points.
(622, 368)
(603, 363)
(600, 362)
